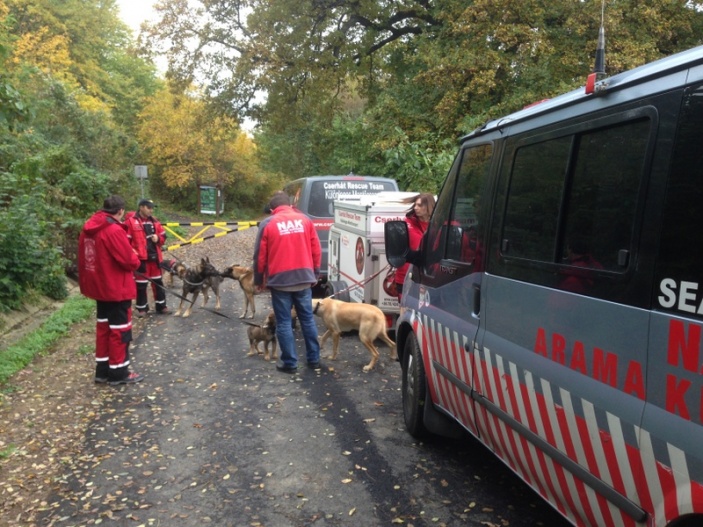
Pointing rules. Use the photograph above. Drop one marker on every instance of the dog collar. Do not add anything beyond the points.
(194, 283)
(314, 311)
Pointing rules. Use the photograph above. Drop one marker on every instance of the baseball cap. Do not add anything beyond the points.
(146, 202)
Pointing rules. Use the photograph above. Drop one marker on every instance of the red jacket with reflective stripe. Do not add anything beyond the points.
(106, 260)
(287, 251)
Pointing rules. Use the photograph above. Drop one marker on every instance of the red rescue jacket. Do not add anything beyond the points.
(137, 236)
(106, 260)
(287, 251)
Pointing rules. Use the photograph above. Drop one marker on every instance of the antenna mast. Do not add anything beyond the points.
(599, 69)
(600, 49)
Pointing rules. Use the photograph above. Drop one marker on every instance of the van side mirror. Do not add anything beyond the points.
(397, 242)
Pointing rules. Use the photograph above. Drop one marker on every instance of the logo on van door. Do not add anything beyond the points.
(359, 255)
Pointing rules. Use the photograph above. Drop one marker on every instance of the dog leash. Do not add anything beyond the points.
(191, 302)
(352, 287)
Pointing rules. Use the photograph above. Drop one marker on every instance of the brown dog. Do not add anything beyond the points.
(245, 277)
(202, 277)
(265, 333)
(340, 316)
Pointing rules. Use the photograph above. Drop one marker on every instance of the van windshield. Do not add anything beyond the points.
(323, 193)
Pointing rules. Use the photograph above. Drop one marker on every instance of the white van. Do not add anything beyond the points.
(555, 307)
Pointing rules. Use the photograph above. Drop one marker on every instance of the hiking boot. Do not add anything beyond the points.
(101, 380)
(132, 378)
(315, 365)
(164, 311)
(140, 314)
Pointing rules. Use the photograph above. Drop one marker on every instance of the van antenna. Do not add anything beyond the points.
(600, 48)
(599, 69)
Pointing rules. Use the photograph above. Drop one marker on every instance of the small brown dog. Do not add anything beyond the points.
(265, 333)
(245, 277)
(340, 316)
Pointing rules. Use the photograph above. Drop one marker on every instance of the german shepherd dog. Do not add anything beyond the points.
(202, 277)
(245, 277)
(265, 333)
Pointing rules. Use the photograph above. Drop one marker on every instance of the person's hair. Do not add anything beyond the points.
(425, 198)
(278, 199)
(113, 204)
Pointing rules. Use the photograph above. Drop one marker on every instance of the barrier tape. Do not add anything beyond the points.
(196, 239)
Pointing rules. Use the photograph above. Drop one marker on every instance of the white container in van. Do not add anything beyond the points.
(555, 307)
(315, 195)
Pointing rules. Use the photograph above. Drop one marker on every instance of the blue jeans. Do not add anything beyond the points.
(282, 302)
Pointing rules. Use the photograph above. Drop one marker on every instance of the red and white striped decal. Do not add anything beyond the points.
(662, 487)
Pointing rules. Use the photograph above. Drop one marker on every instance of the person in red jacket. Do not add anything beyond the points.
(147, 236)
(287, 259)
(418, 219)
(106, 262)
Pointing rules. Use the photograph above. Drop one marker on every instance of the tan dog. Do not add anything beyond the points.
(340, 316)
(245, 277)
(265, 333)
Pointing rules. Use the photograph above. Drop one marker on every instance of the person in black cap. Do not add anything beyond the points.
(147, 236)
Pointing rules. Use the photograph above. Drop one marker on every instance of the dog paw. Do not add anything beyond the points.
(367, 368)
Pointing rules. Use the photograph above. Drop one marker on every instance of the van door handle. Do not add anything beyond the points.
(476, 310)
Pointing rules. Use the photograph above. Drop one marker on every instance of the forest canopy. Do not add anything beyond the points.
(335, 87)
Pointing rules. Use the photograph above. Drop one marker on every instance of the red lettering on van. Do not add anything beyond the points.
(541, 343)
(689, 348)
(578, 358)
(605, 367)
(558, 347)
(634, 380)
(600, 364)
(675, 402)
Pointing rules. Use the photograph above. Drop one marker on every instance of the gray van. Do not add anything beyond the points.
(555, 307)
(315, 196)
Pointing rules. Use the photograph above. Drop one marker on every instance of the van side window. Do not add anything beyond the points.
(679, 269)
(572, 200)
(454, 232)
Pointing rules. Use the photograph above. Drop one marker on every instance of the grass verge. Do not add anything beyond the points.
(18, 356)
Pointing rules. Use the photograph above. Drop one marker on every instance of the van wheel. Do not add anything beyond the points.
(338, 290)
(414, 389)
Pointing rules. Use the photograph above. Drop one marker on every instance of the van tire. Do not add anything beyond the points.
(414, 389)
(338, 290)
